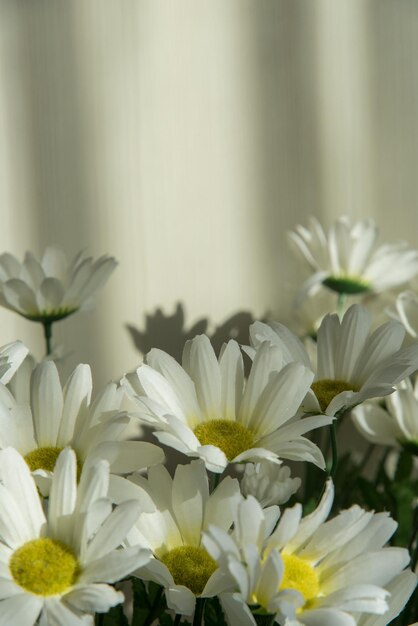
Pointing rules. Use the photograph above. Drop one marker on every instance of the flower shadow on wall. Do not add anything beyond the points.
(169, 332)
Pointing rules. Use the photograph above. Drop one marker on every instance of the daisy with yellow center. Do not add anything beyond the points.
(51, 288)
(353, 363)
(40, 422)
(205, 408)
(345, 260)
(308, 571)
(56, 568)
(175, 513)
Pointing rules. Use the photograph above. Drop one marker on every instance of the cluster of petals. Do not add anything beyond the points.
(368, 363)
(174, 513)
(51, 288)
(176, 400)
(394, 425)
(80, 518)
(346, 557)
(270, 483)
(348, 253)
(55, 416)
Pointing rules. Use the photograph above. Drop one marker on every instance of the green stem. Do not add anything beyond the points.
(47, 324)
(265, 620)
(214, 479)
(100, 617)
(177, 619)
(156, 609)
(333, 439)
(342, 299)
(198, 612)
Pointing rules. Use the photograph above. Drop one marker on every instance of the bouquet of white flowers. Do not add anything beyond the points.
(94, 529)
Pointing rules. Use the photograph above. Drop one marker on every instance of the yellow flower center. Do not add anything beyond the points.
(301, 576)
(44, 567)
(326, 389)
(190, 566)
(231, 437)
(45, 458)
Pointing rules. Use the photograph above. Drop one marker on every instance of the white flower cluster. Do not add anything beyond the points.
(78, 514)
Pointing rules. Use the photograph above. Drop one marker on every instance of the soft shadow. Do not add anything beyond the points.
(169, 332)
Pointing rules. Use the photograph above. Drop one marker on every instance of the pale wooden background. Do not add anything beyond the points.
(186, 136)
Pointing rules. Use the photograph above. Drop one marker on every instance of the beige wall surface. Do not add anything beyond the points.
(185, 137)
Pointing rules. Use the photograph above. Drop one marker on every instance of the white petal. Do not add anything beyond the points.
(180, 599)
(63, 493)
(232, 380)
(205, 372)
(376, 425)
(94, 598)
(178, 379)
(236, 610)
(310, 523)
(20, 610)
(56, 613)
(287, 528)
(268, 359)
(376, 568)
(16, 478)
(222, 504)
(353, 334)
(281, 398)
(327, 617)
(20, 297)
(112, 567)
(327, 339)
(50, 294)
(76, 395)
(47, 403)
(382, 344)
(128, 456)
(114, 530)
(190, 492)
(15, 353)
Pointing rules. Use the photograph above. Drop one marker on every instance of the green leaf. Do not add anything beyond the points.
(404, 466)
(214, 615)
(115, 617)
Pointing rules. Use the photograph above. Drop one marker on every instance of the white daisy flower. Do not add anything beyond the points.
(333, 569)
(57, 567)
(12, 356)
(206, 409)
(176, 511)
(270, 483)
(50, 289)
(346, 259)
(397, 425)
(65, 416)
(400, 589)
(353, 364)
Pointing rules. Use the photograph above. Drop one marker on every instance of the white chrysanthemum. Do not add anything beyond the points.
(346, 259)
(353, 364)
(269, 483)
(397, 425)
(56, 567)
(206, 409)
(50, 289)
(176, 511)
(335, 567)
(12, 356)
(65, 416)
